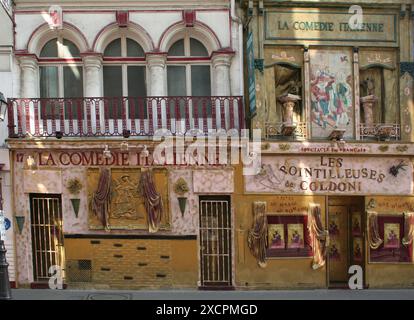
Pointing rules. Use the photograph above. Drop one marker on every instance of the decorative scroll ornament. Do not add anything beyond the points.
(152, 200)
(101, 199)
(257, 238)
(374, 239)
(408, 228)
(319, 236)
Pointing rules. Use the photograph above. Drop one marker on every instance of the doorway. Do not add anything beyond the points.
(346, 225)
(215, 242)
(47, 235)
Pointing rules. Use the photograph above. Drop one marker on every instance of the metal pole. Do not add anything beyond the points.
(5, 291)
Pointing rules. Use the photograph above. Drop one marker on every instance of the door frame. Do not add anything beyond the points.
(230, 285)
(43, 283)
(358, 200)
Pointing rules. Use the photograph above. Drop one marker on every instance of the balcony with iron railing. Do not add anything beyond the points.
(123, 116)
(299, 131)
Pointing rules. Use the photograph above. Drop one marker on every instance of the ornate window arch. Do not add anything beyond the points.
(132, 31)
(44, 34)
(199, 32)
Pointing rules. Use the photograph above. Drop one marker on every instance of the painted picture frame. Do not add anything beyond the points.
(357, 251)
(356, 224)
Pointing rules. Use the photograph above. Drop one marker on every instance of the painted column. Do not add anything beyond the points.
(221, 62)
(30, 85)
(157, 85)
(357, 111)
(93, 87)
(308, 115)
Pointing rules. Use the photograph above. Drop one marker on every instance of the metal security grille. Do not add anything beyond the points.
(47, 234)
(215, 241)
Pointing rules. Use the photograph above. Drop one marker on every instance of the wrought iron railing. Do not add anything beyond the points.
(380, 131)
(123, 116)
(276, 131)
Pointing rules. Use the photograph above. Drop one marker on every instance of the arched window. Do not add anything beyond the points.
(124, 73)
(188, 70)
(61, 76)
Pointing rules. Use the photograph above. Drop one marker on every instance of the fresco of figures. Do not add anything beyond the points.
(331, 92)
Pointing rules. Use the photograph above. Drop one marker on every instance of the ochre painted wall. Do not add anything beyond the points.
(137, 263)
(281, 272)
(388, 275)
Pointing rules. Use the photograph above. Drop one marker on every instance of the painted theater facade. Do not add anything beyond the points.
(100, 88)
(332, 96)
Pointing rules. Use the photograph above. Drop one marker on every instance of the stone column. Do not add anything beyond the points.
(288, 101)
(157, 84)
(368, 103)
(157, 71)
(30, 85)
(93, 87)
(221, 62)
(221, 70)
(92, 65)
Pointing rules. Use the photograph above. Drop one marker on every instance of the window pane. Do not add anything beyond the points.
(50, 49)
(200, 81)
(177, 49)
(49, 88)
(197, 49)
(113, 49)
(70, 49)
(201, 86)
(134, 49)
(73, 88)
(73, 82)
(112, 76)
(49, 82)
(136, 91)
(176, 79)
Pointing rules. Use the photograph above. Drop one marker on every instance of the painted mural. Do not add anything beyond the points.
(331, 92)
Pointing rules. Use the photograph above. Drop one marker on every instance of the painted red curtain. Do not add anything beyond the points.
(101, 199)
(257, 237)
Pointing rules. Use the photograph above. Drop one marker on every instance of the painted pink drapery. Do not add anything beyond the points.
(257, 237)
(152, 200)
(374, 238)
(318, 235)
(101, 199)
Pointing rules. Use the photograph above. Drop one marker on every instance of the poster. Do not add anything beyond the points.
(334, 250)
(333, 225)
(357, 249)
(356, 224)
(276, 237)
(295, 236)
(391, 235)
(331, 90)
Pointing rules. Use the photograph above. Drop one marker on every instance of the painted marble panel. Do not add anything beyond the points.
(213, 181)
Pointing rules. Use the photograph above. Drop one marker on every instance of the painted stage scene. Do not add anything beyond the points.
(331, 92)
(295, 234)
(276, 236)
(391, 235)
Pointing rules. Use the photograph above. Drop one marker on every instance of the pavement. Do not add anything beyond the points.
(176, 295)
